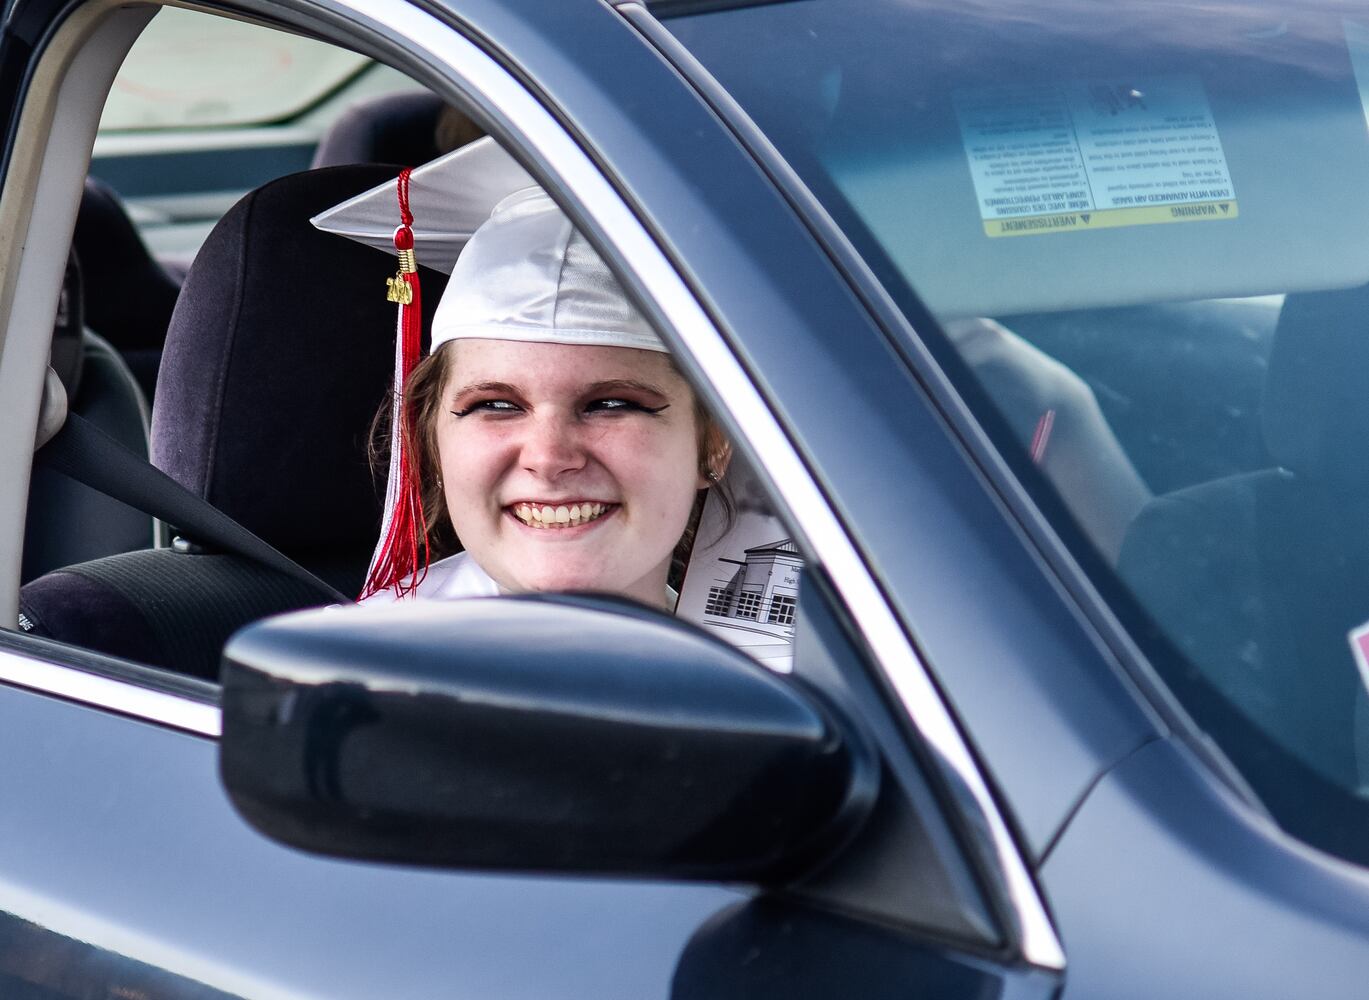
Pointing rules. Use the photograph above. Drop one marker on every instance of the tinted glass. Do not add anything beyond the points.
(1140, 228)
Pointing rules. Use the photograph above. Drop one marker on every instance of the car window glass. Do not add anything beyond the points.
(1141, 234)
(206, 108)
(191, 71)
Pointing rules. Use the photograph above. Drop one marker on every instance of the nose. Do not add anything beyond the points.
(552, 446)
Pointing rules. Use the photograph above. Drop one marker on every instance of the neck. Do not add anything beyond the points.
(651, 590)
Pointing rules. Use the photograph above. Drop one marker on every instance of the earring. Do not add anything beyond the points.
(711, 476)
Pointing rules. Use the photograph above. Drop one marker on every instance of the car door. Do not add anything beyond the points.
(1222, 852)
(124, 857)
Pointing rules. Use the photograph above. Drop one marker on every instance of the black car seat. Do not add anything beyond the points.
(279, 352)
(1259, 578)
(395, 128)
(69, 522)
(129, 295)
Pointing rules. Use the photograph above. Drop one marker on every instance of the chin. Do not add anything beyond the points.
(561, 578)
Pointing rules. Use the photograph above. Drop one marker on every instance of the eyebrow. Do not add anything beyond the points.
(594, 389)
(500, 387)
(619, 384)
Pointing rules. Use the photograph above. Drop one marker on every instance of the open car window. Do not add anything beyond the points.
(227, 394)
(1140, 231)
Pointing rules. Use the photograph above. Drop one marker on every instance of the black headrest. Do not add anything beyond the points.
(1316, 408)
(279, 352)
(68, 332)
(395, 128)
(129, 295)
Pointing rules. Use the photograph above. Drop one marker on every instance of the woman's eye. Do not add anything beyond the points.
(488, 406)
(615, 405)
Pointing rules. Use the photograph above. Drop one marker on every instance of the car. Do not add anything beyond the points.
(1039, 326)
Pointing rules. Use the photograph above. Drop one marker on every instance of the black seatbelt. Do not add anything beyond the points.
(83, 452)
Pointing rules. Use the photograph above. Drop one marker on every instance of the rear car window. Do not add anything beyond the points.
(1140, 228)
(190, 71)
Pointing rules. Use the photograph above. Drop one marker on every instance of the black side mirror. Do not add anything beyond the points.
(550, 734)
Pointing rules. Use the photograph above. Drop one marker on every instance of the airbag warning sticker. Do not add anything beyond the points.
(1056, 157)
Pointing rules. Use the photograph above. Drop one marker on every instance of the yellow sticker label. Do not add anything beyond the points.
(1066, 156)
(1148, 215)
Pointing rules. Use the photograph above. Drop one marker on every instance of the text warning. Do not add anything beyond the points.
(1062, 157)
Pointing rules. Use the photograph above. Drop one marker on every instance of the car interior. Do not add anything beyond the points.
(223, 366)
(261, 363)
(242, 404)
(235, 343)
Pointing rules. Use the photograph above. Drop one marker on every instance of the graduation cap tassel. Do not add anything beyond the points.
(404, 531)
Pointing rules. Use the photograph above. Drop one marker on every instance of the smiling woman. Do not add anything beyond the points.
(568, 467)
(548, 429)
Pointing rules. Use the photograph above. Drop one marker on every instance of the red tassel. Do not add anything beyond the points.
(397, 563)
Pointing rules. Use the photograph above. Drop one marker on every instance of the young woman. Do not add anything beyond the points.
(548, 430)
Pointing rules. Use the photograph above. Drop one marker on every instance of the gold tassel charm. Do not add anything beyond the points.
(397, 290)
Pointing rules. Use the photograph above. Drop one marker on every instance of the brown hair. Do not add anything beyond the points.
(422, 409)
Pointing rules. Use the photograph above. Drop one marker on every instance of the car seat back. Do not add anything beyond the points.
(278, 355)
(394, 128)
(1259, 578)
(129, 294)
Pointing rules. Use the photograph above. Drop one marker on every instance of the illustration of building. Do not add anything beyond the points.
(763, 593)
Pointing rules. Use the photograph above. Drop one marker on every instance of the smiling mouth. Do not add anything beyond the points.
(557, 516)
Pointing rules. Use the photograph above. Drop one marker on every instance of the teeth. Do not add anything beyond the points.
(549, 516)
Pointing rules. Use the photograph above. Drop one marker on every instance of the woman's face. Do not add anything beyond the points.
(568, 467)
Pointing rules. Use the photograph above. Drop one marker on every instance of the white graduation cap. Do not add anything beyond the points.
(450, 198)
(529, 276)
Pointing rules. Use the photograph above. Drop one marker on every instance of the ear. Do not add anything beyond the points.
(716, 456)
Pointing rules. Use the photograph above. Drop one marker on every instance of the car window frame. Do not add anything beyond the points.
(124, 688)
(431, 51)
